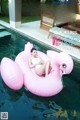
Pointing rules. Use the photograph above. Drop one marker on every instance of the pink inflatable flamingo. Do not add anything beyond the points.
(21, 74)
(11, 74)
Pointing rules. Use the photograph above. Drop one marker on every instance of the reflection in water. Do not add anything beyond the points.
(23, 105)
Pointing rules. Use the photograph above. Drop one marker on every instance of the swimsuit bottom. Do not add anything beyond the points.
(38, 66)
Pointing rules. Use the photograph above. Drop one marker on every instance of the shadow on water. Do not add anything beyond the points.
(23, 105)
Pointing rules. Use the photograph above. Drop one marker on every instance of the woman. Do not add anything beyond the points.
(41, 67)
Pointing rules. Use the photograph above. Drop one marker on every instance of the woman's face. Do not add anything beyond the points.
(34, 53)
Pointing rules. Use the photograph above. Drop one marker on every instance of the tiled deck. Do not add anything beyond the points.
(33, 30)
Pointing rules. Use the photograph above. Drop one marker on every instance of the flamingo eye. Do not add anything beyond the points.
(64, 65)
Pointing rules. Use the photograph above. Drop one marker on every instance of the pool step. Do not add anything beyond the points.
(2, 29)
(5, 35)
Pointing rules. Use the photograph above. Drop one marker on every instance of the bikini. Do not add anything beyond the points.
(35, 61)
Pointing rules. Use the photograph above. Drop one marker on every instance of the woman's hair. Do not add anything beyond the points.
(33, 49)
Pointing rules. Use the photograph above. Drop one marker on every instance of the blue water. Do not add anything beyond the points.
(22, 105)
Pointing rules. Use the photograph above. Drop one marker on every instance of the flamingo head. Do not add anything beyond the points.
(65, 62)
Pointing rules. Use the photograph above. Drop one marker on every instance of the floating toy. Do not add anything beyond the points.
(17, 73)
(11, 74)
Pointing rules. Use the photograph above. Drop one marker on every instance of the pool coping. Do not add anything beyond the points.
(7, 25)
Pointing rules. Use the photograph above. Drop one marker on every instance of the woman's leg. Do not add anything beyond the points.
(40, 70)
(47, 67)
(43, 69)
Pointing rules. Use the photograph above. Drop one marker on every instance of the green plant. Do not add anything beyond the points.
(4, 7)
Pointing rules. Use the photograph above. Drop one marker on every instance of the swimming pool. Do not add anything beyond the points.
(22, 105)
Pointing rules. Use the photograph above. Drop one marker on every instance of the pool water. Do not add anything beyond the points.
(22, 105)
